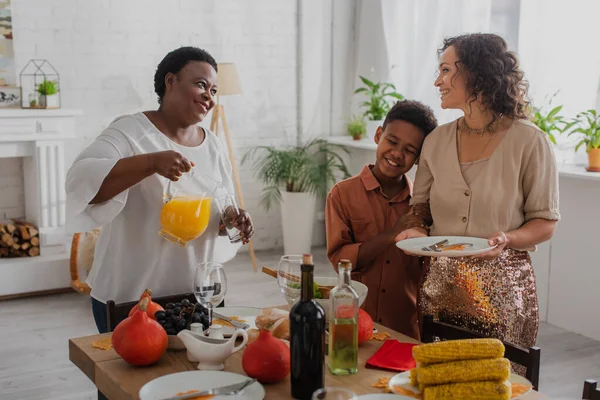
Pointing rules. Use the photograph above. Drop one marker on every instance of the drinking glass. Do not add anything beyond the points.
(288, 277)
(229, 212)
(210, 285)
(334, 393)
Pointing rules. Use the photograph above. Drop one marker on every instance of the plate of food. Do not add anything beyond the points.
(189, 382)
(401, 384)
(228, 317)
(445, 246)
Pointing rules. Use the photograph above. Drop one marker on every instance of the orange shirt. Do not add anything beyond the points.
(356, 211)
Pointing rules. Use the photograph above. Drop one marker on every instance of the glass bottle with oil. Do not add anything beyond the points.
(343, 324)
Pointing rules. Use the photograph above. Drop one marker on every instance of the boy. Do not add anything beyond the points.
(364, 215)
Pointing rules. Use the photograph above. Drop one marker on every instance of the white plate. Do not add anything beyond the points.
(415, 246)
(403, 379)
(170, 385)
(382, 396)
(247, 314)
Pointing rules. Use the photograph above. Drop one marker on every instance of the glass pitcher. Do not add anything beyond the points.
(186, 210)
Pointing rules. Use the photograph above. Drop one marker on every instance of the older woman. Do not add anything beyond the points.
(118, 183)
(489, 174)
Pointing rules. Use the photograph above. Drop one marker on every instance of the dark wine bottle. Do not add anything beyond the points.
(307, 338)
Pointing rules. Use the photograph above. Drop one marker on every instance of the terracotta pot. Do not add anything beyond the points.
(594, 160)
(357, 137)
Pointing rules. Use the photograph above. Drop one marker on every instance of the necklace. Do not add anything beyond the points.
(475, 160)
(491, 127)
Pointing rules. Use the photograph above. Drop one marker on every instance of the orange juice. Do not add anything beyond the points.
(184, 218)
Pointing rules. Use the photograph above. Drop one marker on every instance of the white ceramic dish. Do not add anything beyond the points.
(170, 385)
(417, 246)
(403, 379)
(247, 314)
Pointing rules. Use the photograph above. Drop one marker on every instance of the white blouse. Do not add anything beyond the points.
(130, 255)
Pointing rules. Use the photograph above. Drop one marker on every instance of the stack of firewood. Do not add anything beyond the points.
(19, 239)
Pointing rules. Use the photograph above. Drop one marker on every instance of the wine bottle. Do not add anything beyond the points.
(343, 324)
(307, 338)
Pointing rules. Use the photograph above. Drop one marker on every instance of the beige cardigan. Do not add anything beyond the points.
(519, 183)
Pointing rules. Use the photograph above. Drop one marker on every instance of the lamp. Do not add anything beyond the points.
(229, 84)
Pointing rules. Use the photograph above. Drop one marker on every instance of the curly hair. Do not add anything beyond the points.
(175, 61)
(492, 71)
(413, 112)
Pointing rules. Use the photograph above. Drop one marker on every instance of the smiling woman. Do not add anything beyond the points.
(491, 174)
(118, 183)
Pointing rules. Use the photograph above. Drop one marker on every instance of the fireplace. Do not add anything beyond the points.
(39, 136)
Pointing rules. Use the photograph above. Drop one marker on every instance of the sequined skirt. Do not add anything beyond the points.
(496, 298)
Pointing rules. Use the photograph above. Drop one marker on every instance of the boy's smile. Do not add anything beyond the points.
(398, 147)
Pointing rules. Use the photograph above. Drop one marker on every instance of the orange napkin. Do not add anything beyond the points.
(393, 355)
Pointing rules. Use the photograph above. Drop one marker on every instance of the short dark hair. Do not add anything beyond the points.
(413, 112)
(175, 61)
(492, 72)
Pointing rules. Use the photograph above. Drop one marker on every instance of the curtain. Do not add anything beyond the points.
(412, 33)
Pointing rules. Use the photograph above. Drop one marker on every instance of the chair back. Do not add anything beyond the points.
(590, 390)
(116, 313)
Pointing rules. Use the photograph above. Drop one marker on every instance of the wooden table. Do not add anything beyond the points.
(120, 381)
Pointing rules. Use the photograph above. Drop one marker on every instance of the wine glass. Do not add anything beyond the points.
(288, 277)
(333, 393)
(210, 285)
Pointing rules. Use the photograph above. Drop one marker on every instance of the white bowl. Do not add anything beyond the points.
(360, 288)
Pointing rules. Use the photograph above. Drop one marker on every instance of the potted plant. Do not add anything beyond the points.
(295, 176)
(587, 125)
(551, 122)
(377, 102)
(45, 89)
(357, 127)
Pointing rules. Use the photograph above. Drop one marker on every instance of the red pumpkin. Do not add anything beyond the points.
(365, 326)
(152, 306)
(139, 339)
(266, 359)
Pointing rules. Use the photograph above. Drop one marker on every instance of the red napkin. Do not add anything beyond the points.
(393, 355)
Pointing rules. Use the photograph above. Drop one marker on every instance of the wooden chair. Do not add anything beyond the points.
(82, 257)
(116, 313)
(590, 392)
(530, 359)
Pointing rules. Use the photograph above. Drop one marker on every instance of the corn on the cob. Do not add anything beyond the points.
(413, 377)
(469, 391)
(494, 369)
(457, 350)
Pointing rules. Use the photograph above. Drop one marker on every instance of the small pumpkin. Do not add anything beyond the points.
(138, 339)
(152, 306)
(267, 358)
(365, 326)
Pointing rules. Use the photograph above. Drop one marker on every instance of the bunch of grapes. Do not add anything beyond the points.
(179, 316)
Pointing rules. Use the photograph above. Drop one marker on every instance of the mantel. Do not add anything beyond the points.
(18, 126)
(38, 113)
(39, 137)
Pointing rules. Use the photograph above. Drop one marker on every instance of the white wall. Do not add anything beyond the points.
(106, 53)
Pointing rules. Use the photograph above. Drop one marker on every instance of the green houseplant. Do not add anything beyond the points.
(357, 127)
(587, 126)
(295, 176)
(45, 89)
(377, 103)
(550, 122)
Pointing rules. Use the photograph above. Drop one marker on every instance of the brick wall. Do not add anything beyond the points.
(106, 53)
